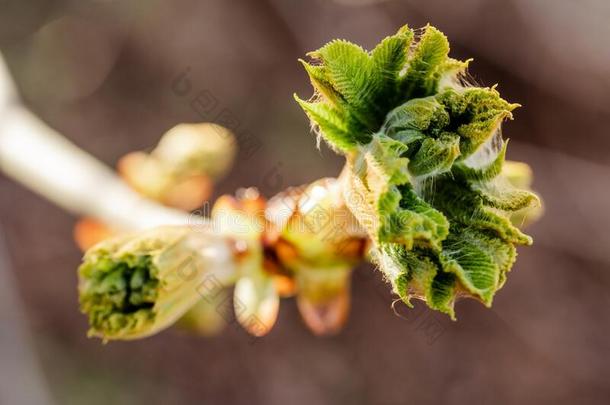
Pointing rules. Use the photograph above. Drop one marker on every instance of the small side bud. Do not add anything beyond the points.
(133, 286)
(180, 171)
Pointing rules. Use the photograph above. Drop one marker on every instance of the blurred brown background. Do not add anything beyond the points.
(101, 73)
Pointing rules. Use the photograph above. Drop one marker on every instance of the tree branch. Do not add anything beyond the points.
(47, 163)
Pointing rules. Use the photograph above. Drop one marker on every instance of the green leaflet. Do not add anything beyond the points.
(476, 114)
(479, 260)
(482, 173)
(401, 216)
(473, 266)
(413, 222)
(360, 87)
(470, 260)
(433, 227)
(425, 160)
(501, 252)
(501, 195)
(416, 118)
(435, 156)
(442, 293)
(389, 58)
(337, 128)
(465, 207)
(426, 64)
(420, 276)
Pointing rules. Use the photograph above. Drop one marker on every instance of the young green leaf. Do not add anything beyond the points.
(425, 160)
